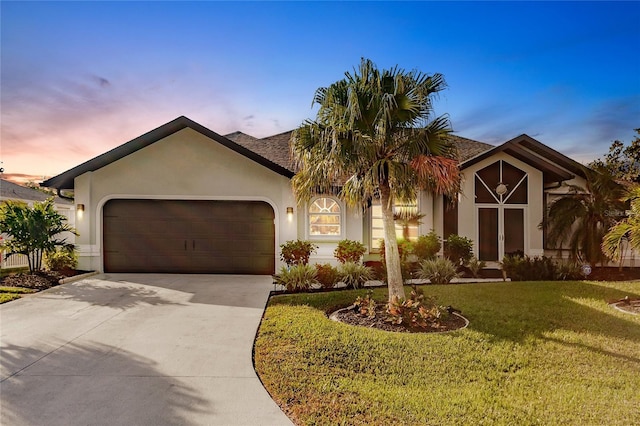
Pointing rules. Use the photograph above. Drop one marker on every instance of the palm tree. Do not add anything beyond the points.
(627, 229)
(581, 218)
(375, 136)
(33, 231)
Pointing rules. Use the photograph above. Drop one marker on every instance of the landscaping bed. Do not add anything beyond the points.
(41, 280)
(450, 322)
(614, 274)
(628, 305)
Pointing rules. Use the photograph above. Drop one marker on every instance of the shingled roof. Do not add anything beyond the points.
(468, 148)
(12, 191)
(276, 148)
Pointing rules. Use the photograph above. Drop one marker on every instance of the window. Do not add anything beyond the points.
(409, 218)
(325, 218)
(501, 183)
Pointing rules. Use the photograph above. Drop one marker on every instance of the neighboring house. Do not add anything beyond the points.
(12, 191)
(183, 198)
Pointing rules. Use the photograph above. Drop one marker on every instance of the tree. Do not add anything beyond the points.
(627, 229)
(581, 218)
(622, 162)
(33, 231)
(375, 137)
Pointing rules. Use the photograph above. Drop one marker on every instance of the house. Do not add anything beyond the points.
(12, 191)
(182, 198)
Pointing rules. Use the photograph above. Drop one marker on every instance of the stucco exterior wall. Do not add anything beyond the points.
(185, 165)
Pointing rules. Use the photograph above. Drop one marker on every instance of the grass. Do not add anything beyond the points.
(535, 353)
(8, 294)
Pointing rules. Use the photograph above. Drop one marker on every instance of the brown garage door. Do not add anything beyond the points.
(185, 236)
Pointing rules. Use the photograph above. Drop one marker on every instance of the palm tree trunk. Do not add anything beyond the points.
(392, 256)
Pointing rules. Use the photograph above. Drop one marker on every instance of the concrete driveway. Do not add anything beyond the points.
(136, 349)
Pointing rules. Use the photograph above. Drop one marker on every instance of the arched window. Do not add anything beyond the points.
(325, 217)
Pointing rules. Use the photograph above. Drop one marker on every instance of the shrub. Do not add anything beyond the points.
(427, 246)
(297, 252)
(415, 311)
(379, 269)
(61, 259)
(513, 267)
(366, 305)
(405, 247)
(327, 275)
(569, 271)
(296, 278)
(349, 251)
(438, 271)
(541, 269)
(354, 275)
(458, 249)
(476, 266)
(525, 268)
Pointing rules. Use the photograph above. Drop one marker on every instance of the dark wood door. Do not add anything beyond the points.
(185, 236)
(488, 234)
(500, 232)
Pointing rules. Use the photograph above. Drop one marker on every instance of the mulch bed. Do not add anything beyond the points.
(614, 274)
(628, 305)
(38, 281)
(352, 316)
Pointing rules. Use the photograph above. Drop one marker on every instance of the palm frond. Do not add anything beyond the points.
(439, 175)
(612, 242)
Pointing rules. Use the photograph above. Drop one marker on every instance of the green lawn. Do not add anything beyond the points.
(8, 294)
(544, 353)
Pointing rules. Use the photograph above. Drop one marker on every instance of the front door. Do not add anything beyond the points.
(501, 193)
(500, 232)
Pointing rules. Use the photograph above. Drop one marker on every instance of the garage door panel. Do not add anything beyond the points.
(217, 227)
(120, 262)
(195, 236)
(262, 245)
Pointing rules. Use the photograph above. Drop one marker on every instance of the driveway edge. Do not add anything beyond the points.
(77, 277)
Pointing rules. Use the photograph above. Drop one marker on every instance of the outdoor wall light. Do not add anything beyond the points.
(289, 214)
(80, 210)
(501, 189)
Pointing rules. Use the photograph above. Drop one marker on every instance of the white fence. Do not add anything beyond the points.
(15, 261)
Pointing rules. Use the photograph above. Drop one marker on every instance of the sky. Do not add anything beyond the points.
(80, 78)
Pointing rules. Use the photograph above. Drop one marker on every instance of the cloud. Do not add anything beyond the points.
(101, 81)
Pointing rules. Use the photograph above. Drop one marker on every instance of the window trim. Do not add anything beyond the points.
(307, 225)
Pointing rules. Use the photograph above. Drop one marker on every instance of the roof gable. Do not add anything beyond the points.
(65, 180)
(555, 166)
